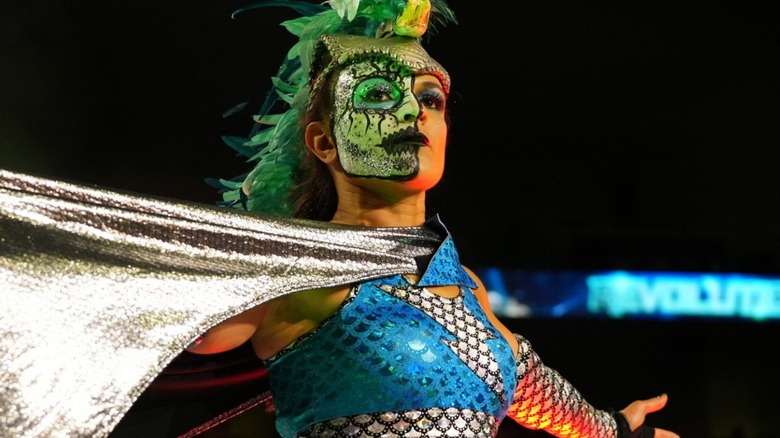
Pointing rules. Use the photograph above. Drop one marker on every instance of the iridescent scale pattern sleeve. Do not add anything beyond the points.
(545, 400)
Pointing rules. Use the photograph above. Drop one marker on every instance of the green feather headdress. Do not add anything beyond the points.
(276, 144)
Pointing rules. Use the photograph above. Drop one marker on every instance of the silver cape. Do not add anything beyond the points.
(100, 290)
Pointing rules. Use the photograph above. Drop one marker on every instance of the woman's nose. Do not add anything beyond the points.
(411, 111)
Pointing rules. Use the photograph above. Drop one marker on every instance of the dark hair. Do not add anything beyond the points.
(313, 195)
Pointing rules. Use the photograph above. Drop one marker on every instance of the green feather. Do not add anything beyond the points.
(277, 148)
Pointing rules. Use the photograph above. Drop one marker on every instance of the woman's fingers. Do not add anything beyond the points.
(654, 404)
(635, 413)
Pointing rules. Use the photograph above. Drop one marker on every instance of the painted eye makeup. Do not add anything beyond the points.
(376, 94)
(432, 98)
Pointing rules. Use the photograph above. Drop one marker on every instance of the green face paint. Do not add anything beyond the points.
(375, 120)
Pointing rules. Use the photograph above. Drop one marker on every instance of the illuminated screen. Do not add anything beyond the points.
(631, 294)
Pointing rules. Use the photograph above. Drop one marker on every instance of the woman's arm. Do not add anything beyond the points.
(273, 325)
(230, 333)
(545, 400)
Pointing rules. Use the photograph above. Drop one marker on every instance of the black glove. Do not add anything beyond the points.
(625, 432)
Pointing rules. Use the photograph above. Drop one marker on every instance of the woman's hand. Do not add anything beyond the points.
(635, 414)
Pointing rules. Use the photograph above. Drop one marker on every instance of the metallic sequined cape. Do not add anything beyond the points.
(100, 290)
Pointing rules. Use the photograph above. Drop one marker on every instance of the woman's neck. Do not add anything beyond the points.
(358, 205)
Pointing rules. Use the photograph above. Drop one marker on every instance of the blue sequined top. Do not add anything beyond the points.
(394, 347)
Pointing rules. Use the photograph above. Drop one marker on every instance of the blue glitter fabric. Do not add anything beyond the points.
(394, 346)
(442, 270)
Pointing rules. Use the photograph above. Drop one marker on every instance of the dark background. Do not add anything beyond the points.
(606, 136)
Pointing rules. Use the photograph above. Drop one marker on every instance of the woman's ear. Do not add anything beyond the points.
(319, 142)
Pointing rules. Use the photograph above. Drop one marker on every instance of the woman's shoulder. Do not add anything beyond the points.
(291, 316)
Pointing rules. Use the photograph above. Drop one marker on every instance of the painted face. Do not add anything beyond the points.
(375, 121)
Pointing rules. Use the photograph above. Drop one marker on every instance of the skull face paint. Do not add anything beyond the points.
(375, 120)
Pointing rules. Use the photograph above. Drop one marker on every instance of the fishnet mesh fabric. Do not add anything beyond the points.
(545, 400)
(433, 422)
